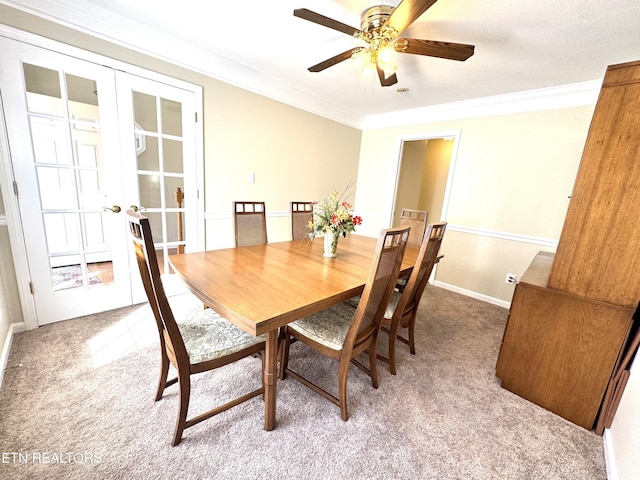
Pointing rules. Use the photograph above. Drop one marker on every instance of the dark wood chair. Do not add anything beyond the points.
(403, 307)
(250, 223)
(198, 343)
(301, 213)
(417, 220)
(342, 333)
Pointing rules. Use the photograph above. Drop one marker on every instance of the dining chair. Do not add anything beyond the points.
(301, 213)
(340, 332)
(250, 224)
(417, 220)
(403, 306)
(199, 342)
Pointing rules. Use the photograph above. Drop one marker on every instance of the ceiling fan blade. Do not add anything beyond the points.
(314, 17)
(431, 48)
(386, 81)
(406, 13)
(330, 62)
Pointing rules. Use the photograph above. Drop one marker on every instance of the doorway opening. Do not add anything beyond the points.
(425, 173)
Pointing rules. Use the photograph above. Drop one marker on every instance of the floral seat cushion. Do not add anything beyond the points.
(328, 327)
(207, 335)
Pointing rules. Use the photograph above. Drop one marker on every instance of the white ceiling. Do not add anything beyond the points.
(259, 45)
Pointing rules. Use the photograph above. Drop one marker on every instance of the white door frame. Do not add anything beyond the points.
(455, 134)
(14, 221)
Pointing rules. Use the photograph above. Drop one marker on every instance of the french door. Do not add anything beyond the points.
(87, 143)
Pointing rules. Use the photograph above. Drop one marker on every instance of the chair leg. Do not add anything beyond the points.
(373, 363)
(412, 327)
(184, 382)
(393, 336)
(164, 372)
(342, 389)
(284, 354)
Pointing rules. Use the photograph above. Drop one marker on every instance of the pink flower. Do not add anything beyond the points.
(357, 220)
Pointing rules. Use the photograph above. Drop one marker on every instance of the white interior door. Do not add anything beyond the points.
(79, 153)
(160, 172)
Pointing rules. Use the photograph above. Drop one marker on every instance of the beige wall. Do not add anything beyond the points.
(294, 155)
(512, 178)
(414, 154)
(434, 179)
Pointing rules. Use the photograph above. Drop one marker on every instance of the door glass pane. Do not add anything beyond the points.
(148, 154)
(61, 230)
(82, 98)
(95, 233)
(68, 274)
(172, 155)
(145, 111)
(50, 141)
(57, 188)
(171, 117)
(150, 195)
(171, 184)
(155, 222)
(43, 90)
(175, 220)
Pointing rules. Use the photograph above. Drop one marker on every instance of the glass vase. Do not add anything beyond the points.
(330, 244)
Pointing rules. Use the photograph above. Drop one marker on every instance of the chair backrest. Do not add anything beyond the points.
(250, 223)
(427, 258)
(170, 337)
(301, 213)
(417, 220)
(381, 281)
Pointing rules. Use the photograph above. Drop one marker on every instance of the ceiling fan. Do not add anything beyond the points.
(380, 28)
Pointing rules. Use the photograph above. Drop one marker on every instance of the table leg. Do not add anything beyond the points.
(270, 377)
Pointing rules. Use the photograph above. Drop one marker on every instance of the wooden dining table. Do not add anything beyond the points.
(261, 288)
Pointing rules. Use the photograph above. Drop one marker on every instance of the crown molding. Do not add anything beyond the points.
(564, 96)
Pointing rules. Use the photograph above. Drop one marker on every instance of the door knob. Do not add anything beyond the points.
(114, 209)
(136, 208)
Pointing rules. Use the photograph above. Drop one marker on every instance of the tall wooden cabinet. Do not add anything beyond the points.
(572, 314)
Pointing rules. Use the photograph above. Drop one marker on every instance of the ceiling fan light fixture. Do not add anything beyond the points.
(363, 62)
(388, 60)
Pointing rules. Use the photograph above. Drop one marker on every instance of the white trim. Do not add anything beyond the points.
(6, 349)
(14, 227)
(564, 96)
(472, 294)
(65, 49)
(228, 216)
(609, 456)
(514, 237)
(452, 164)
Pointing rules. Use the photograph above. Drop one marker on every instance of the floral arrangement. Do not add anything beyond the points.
(333, 214)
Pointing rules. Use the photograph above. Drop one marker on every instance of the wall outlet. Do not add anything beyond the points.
(511, 279)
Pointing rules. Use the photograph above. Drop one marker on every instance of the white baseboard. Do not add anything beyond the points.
(6, 348)
(609, 456)
(472, 294)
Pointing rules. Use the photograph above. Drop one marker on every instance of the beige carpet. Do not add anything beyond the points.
(77, 402)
